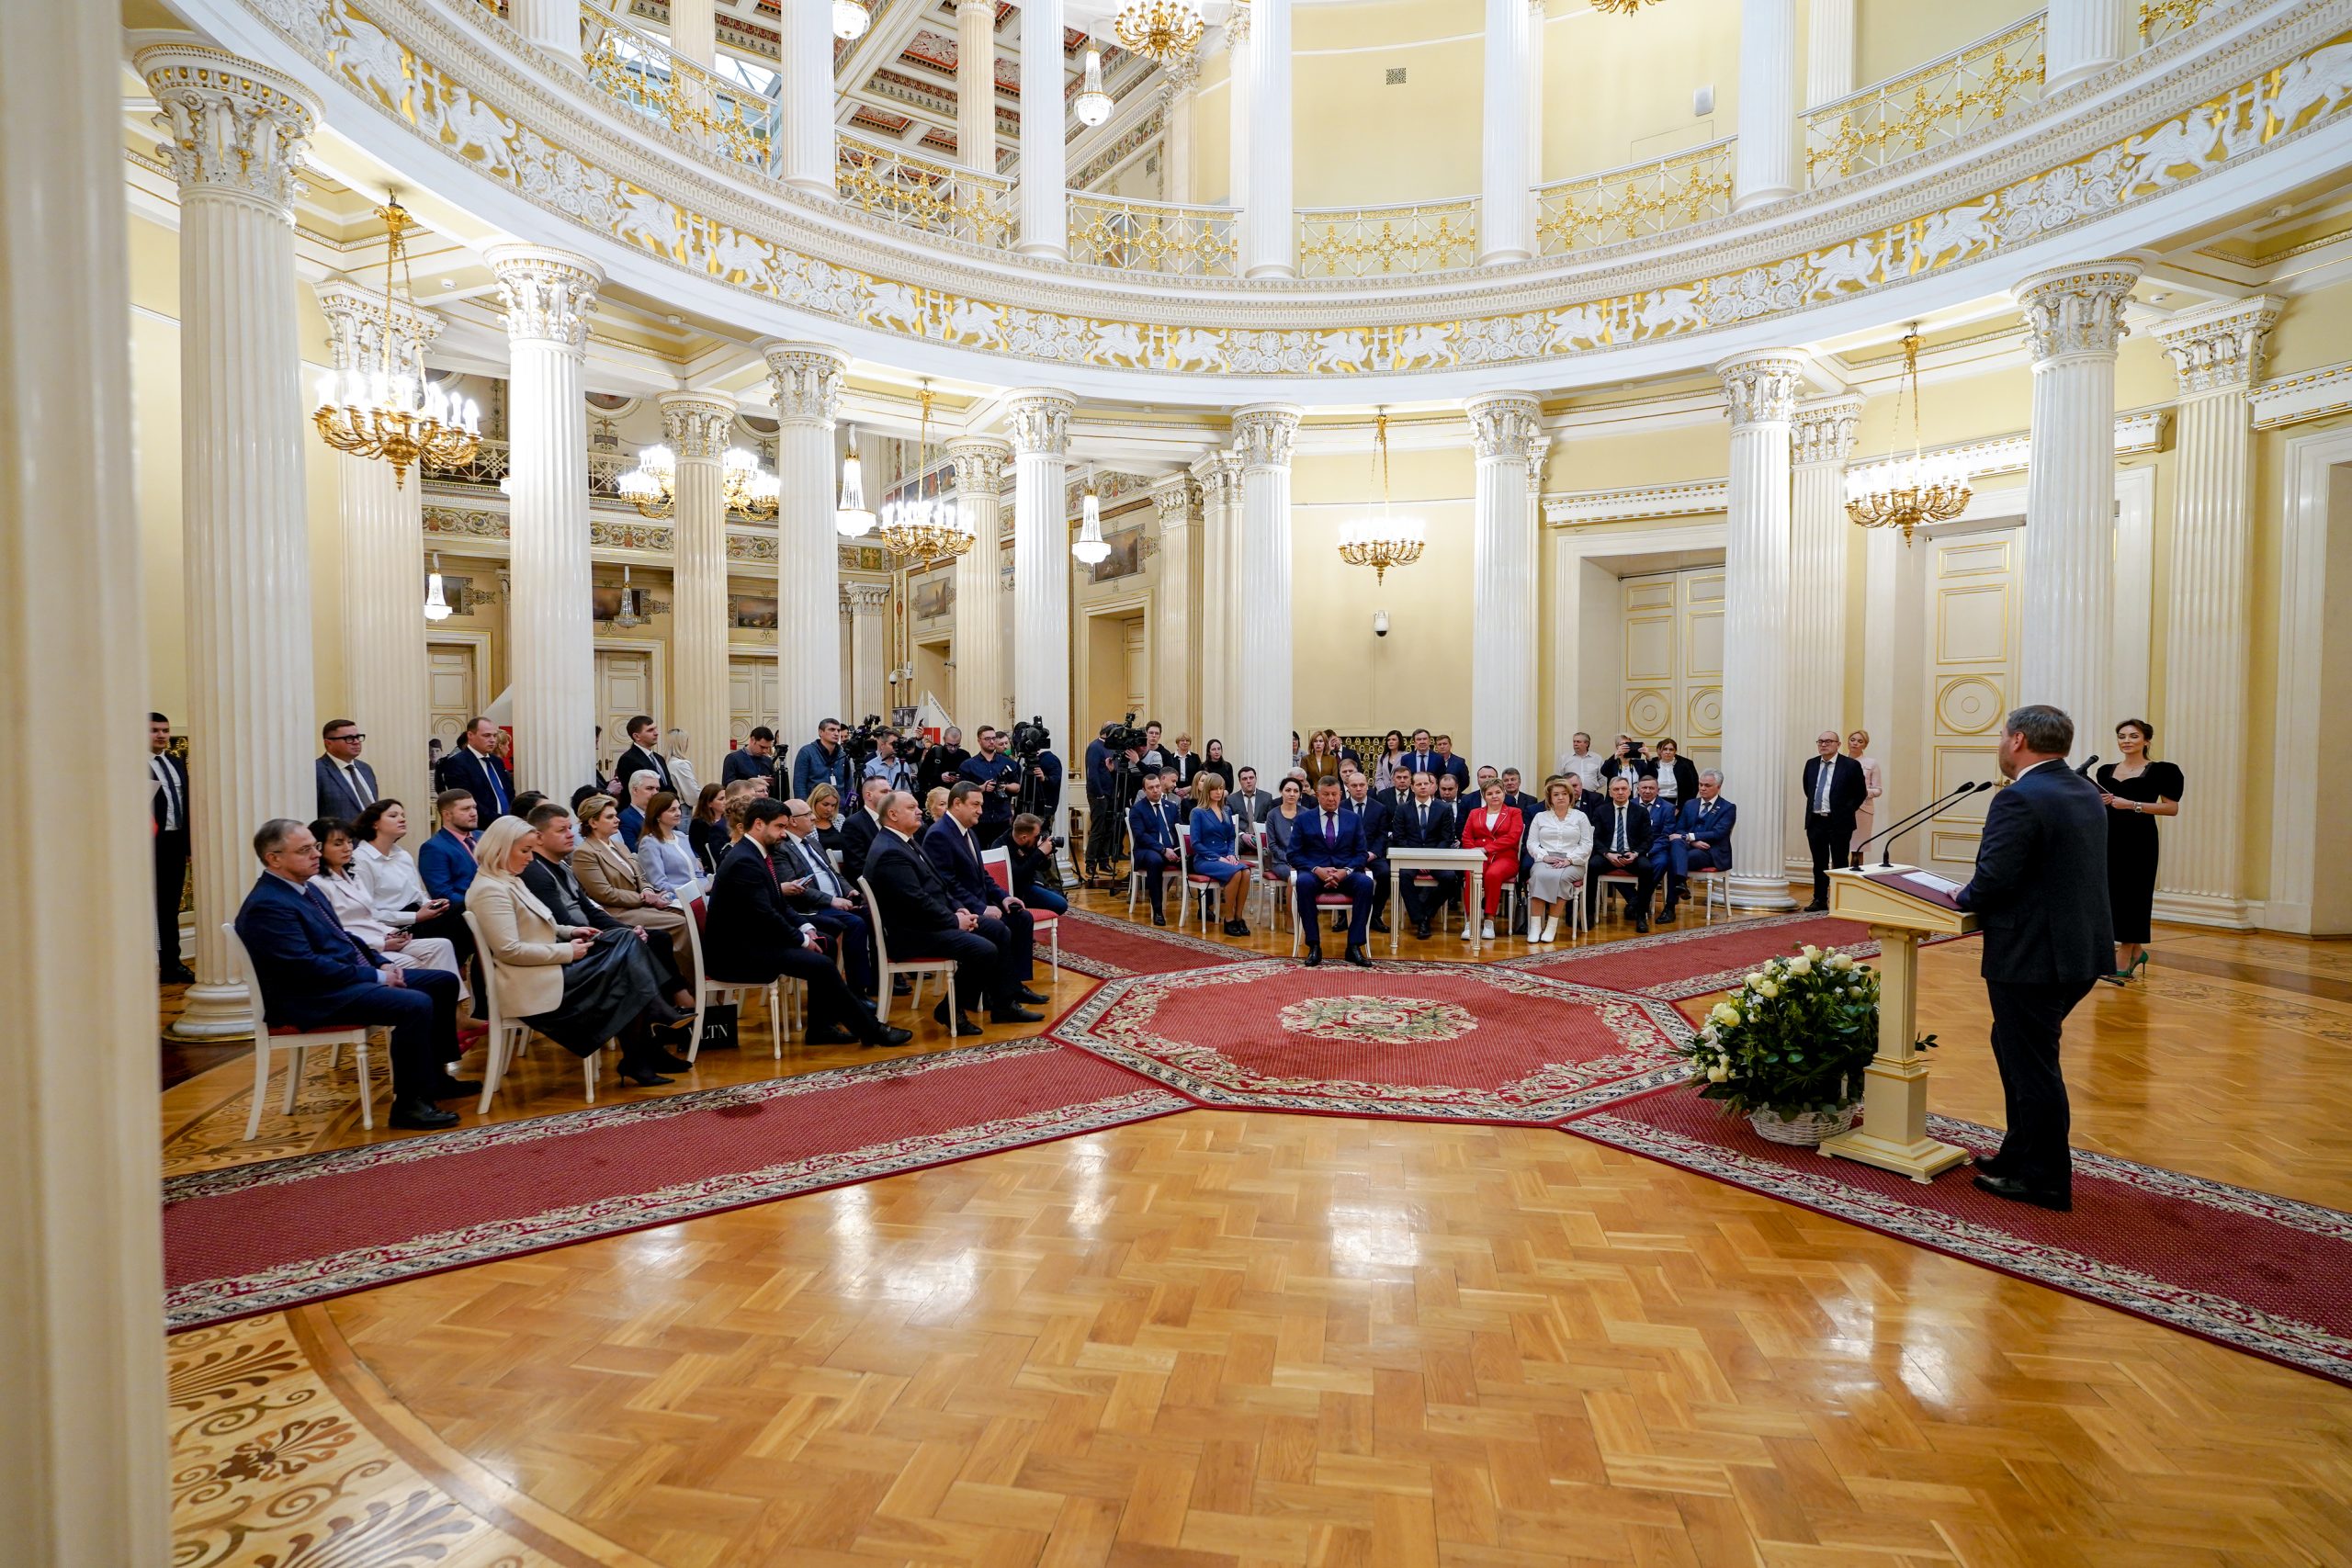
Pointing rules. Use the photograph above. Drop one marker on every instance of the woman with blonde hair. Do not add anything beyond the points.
(1559, 843)
(575, 984)
(609, 874)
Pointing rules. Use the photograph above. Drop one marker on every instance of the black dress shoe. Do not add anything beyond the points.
(1236, 928)
(1422, 931)
(902, 987)
(1816, 908)
(832, 1034)
(2017, 1191)
(421, 1116)
(1380, 925)
(890, 1034)
(1014, 1015)
(959, 1025)
(662, 1061)
(1158, 919)
(1642, 925)
(1314, 958)
(1666, 916)
(177, 974)
(1037, 997)
(643, 1077)
(1357, 957)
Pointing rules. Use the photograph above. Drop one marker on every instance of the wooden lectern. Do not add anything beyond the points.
(1900, 905)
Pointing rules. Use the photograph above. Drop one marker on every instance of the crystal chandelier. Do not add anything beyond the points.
(1163, 30)
(627, 616)
(1093, 105)
(920, 527)
(1387, 540)
(391, 411)
(852, 519)
(653, 485)
(1906, 492)
(850, 18)
(1090, 547)
(437, 604)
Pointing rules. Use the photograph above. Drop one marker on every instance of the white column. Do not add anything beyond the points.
(1236, 107)
(2074, 319)
(1268, 226)
(1038, 422)
(1177, 78)
(1821, 438)
(1765, 163)
(694, 31)
(1506, 207)
(552, 628)
(976, 85)
(1177, 640)
(383, 557)
(2217, 352)
(237, 133)
(82, 1460)
(1220, 479)
(1263, 435)
(807, 51)
(868, 607)
(696, 425)
(1045, 201)
(981, 696)
(1504, 426)
(1536, 18)
(1760, 390)
(2082, 39)
(1829, 52)
(806, 381)
(1539, 761)
(553, 25)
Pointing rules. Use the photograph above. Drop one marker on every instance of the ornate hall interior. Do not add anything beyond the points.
(1759, 383)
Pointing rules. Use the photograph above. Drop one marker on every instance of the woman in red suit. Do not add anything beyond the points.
(1494, 828)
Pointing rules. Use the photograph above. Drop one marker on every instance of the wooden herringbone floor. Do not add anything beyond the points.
(1224, 1338)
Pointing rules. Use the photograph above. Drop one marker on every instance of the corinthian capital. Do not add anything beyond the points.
(1264, 434)
(2077, 310)
(979, 462)
(1761, 388)
(2218, 347)
(864, 598)
(1219, 474)
(698, 424)
(1823, 432)
(1505, 424)
(548, 294)
(360, 333)
(1037, 419)
(806, 378)
(1179, 499)
(1237, 25)
(236, 129)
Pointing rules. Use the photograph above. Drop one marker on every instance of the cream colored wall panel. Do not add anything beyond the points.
(1893, 36)
(1648, 594)
(1972, 623)
(624, 689)
(751, 696)
(1618, 88)
(1702, 655)
(1649, 648)
(453, 690)
(1971, 590)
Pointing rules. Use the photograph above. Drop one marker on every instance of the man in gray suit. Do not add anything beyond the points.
(1248, 804)
(2041, 891)
(346, 787)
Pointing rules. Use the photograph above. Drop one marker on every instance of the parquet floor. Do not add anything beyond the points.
(1225, 1339)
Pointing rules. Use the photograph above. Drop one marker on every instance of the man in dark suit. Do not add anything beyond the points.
(1620, 842)
(346, 787)
(474, 767)
(1378, 826)
(817, 895)
(168, 804)
(1835, 789)
(315, 974)
(998, 778)
(2040, 892)
(920, 918)
(859, 829)
(1447, 763)
(1395, 791)
(750, 934)
(1700, 839)
(1250, 805)
(1425, 822)
(756, 759)
(641, 756)
(549, 875)
(953, 846)
(1328, 854)
(1151, 824)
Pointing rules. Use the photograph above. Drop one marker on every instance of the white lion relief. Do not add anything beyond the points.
(1191, 348)
(893, 305)
(1120, 342)
(367, 56)
(1854, 263)
(734, 251)
(468, 127)
(1574, 327)
(1957, 229)
(646, 220)
(2316, 80)
(1424, 345)
(1343, 353)
(973, 321)
(1668, 310)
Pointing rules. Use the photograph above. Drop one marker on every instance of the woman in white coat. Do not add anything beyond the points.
(1858, 746)
(1559, 842)
(355, 911)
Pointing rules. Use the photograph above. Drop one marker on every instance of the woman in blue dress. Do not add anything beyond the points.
(1214, 853)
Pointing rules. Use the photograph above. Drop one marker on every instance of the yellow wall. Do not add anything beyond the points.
(1893, 36)
(1361, 142)
(1618, 89)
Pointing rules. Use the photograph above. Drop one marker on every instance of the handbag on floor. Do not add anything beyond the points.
(718, 1020)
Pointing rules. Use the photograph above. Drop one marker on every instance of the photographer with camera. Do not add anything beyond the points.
(942, 764)
(1113, 765)
(886, 765)
(824, 760)
(1031, 745)
(999, 777)
(1629, 761)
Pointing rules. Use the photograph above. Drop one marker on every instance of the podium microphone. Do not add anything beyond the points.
(1932, 806)
(1887, 855)
(2088, 764)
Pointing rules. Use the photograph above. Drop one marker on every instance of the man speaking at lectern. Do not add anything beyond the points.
(2040, 894)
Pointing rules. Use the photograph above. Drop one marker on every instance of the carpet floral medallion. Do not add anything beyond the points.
(1430, 1042)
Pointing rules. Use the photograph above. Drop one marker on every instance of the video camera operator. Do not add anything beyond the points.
(1031, 746)
(999, 777)
(887, 763)
(1114, 772)
(942, 764)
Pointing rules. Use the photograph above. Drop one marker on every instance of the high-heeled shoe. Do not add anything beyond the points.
(2138, 964)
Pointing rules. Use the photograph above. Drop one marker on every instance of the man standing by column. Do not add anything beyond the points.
(1835, 789)
(167, 777)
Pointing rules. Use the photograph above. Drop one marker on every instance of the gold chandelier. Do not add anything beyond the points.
(1385, 540)
(1163, 30)
(1621, 7)
(391, 411)
(652, 486)
(1908, 493)
(924, 527)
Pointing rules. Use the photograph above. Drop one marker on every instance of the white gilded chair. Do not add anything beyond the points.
(293, 1043)
(509, 1037)
(888, 969)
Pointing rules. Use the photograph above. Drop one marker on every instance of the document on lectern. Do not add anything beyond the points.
(1919, 884)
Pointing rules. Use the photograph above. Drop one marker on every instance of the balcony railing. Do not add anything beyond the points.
(488, 469)
(924, 193)
(2162, 18)
(1636, 200)
(1382, 242)
(1164, 237)
(640, 71)
(1937, 103)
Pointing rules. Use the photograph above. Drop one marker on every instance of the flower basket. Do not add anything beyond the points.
(1787, 1049)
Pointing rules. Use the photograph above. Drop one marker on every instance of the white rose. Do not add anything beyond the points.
(1717, 1074)
(1800, 966)
(1840, 962)
(1724, 1014)
(1768, 990)
(1754, 980)
(1810, 952)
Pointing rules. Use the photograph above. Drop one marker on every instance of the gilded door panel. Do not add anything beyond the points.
(751, 696)
(1674, 659)
(1971, 632)
(624, 689)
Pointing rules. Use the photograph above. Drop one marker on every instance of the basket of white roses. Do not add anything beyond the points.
(1788, 1048)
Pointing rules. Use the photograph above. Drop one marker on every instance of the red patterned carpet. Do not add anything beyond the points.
(256, 1238)
(1112, 950)
(1671, 966)
(2261, 1273)
(1435, 1042)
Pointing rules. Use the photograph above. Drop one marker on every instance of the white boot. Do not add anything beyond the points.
(1486, 930)
(1551, 927)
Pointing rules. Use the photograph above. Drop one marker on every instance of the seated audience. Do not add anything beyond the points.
(609, 874)
(1329, 855)
(580, 985)
(706, 830)
(1701, 838)
(1425, 822)
(825, 812)
(1249, 805)
(447, 861)
(1151, 829)
(934, 805)
(1378, 826)
(356, 913)
(1029, 855)
(1495, 827)
(754, 937)
(857, 833)
(1621, 847)
(394, 885)
(551, 880)
(817, 895)
(314, 974)
(954, 845)
(664, 857)
(1216, 852)
(920, 918)
(643, 786)
(1281, 827)
(1559, 843)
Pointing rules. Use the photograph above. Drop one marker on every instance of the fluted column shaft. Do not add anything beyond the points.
(1220, 479)
(551, 627)
(1765, 165)
(83, 1456)
(1506, 207)
(1237, 106)
(1176, 129)
(981, 696)
(2081, 39)
(1263, 435)
(696, 425)
(1762, 391)
(805, 379)
(976, 85)
(808, 60)
(1176, 643)
(1044, 203)
(1269, 228)
(2074, 321)
(1038, 422)
(553, 25)
(237, 138)
(1821, 438)
(868, 606)
(1829, 51)
(2217, 353)
(1505, 428)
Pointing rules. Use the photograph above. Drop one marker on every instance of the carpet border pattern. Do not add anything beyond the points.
(1103, 969)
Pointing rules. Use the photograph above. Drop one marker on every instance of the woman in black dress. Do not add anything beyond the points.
(2135, 790)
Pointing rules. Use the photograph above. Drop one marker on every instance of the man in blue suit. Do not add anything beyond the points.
(1328, 854)
(1425, 822)
(315, 974)
(1377, 829)
(445, 863)
(1700, 839)
(954, 850)
(1664, 856)
(1151, 824)
(474, 767)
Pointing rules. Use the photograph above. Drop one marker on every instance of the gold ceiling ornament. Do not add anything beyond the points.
(1621, 7)
(1908, 493)
(652, 486)
(1383, 540)
(1163, 30)
(389, 411)
(924, 527)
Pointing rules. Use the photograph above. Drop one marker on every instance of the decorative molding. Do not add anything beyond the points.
(547, 294)
(2218, 347)
(236, 127)
(1038, 421)
(1823, 429)
(357, 325)
(864, 598)
(2077, 310)
(980, 463)
(1761, 388)
(1178, 496)
(698, 424)
(1504, 425)
(804, 378)
(1264, 434)
(1580, 507)
(2305, 395)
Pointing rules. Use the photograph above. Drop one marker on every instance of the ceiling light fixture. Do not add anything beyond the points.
(850, 18)
(852, 518)
(1385, 540)
(1090, 547)
(745, 487)
(437, 604)
(924, 527)
(1621, 7)
(1162, 30)
(389, 411)
(1908, 493)
(1093, 105)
